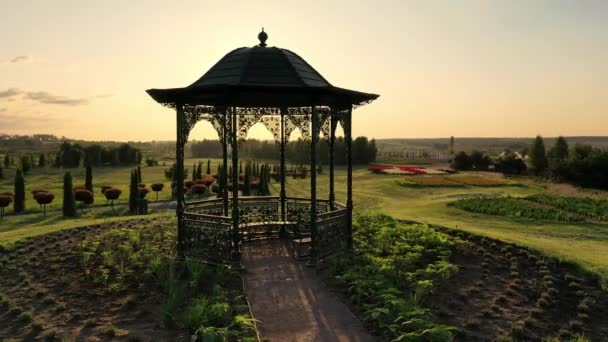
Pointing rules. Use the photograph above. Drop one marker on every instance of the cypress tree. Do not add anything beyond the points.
(199, 170)
(69, 204)
(88, 178)
(7, 160)
(133, 191)
(19, 200)
(538, 156)
(194, 172)
(240, 168)
(138, 175)
(247, 183)
(208, 166)
(42, 160)
(1, 172)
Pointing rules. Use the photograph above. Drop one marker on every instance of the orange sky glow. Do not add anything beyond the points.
(462, 68)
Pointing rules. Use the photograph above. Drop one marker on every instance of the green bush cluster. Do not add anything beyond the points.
(514, 207)
(196, 295)
(398, 267)
(585, 206)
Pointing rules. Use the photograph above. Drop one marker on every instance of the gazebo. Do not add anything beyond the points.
(281, 90)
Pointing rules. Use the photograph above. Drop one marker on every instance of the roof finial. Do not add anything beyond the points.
(262, 37)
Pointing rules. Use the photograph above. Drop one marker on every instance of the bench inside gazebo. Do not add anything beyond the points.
(279, 89)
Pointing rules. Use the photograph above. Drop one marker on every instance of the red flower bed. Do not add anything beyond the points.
(410, 169)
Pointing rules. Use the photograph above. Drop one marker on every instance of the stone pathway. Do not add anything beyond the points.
(289, 300)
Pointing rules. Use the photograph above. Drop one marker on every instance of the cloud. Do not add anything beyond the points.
(2, 110)
(21, 59)
(47, 98)
(10, 92)
(23, 121)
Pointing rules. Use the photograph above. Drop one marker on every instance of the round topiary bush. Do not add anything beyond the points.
(43, 198)
(188, 184)
(34, 192)
(143, 192)
(86, 197)
(142, 185)
(5, 201)
(157, 187)
(112, 194)
(198, 189)
(104, 188)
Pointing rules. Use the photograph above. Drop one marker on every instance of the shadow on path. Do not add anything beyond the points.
(289, 300)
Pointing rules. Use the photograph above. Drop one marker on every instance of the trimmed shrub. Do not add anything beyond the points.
(88, 178)
(85, 197)
(157, 187)
(69, 206)
(198, 189)
(5, 201)
(143, 192)
(112, 195)
(43, 198)
(19, 198)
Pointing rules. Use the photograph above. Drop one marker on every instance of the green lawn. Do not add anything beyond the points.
(583, 243)
(52, 179)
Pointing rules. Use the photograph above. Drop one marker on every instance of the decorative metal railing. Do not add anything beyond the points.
(209, 236)
(332, 232)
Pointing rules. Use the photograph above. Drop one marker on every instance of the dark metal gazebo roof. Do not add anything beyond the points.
(262, 76)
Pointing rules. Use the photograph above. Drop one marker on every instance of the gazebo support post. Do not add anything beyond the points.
(313, 188)
(224, 175)
(332, 140)
(349, 177)
(235, 189)
(179, 178)
(283, 195)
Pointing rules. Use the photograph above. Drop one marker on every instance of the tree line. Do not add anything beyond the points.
(364, 151)
(581, 164)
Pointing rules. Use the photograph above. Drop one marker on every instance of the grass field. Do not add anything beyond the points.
(585, 244)
(52, 179)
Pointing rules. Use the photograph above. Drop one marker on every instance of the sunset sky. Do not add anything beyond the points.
(463, 68)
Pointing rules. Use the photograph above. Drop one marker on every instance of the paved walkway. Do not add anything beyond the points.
(289, 300)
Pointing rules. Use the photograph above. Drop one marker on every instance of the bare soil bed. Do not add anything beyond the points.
(46, 296)
(507, 291)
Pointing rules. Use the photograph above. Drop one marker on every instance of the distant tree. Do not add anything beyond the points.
(462, 162)
(559, 152)
(157, 187)
(19, 199)
(538, 156)
(510, 164)
(88, 178)
(452, 145)
(581, 151)
(26, 164)
(85, 197)
(558, 158)
(43, 198)
(208, 167)
(133, 192)
(5, 201)
(69, 205)
(480, 161)
(42, 160)
(112, 195)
